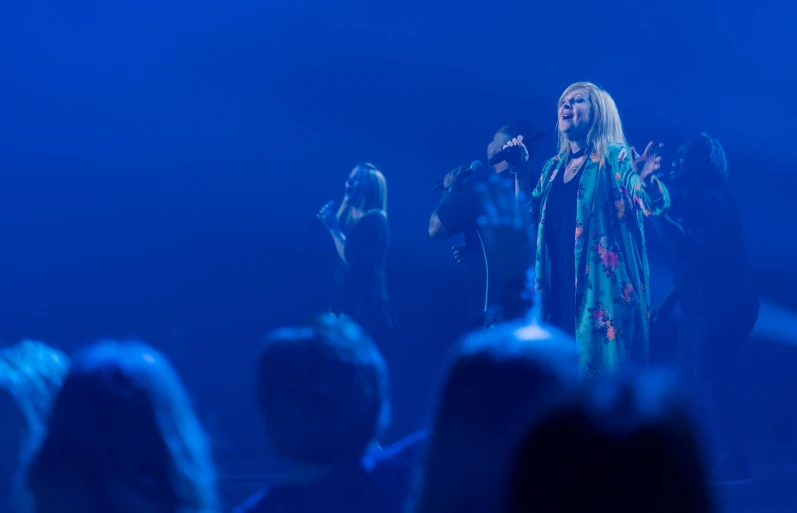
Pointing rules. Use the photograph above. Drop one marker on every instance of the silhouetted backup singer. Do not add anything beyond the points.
(459, 211)
(713, 286)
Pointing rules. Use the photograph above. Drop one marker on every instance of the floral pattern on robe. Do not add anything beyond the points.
(612, 275)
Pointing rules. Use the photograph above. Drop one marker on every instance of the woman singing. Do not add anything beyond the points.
(359, 230)
(591, 265)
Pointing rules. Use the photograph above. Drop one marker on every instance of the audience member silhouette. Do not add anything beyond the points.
(498, 380)
(625, 446)
(31, 374)
(323, 391)
(122, 438)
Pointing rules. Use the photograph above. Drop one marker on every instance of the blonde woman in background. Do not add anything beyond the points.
(360, 232)
(592, 268)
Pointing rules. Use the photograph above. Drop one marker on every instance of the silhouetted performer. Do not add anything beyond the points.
(713, 286)
(323, 393)
(460, 209)
(359, 230)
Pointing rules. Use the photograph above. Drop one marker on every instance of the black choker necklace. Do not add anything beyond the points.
(578, 154)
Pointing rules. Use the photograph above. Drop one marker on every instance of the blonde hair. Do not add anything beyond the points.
(375, 197)
(605, 125)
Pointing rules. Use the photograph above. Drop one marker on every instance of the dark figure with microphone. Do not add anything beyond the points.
(461, 207)
(712, 284)
(360, 232)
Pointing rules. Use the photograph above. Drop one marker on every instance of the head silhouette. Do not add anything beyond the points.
(123, 437)
(323, 390)
(700, 162)
(31, 374)
(498, 380)
(627, 445)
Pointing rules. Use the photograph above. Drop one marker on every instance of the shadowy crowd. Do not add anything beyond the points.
(514, 430)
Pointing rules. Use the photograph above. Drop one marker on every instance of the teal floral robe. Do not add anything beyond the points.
(612, 278)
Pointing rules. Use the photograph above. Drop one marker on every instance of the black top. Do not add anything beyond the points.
(459, 212)
(710, 269)
(361, 292)
(560, 228)
(379, 483)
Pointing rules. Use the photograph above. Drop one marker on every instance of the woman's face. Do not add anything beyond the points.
(691, 163)
(355, 185)
(498, 142)
(575, 114)
(680, 164)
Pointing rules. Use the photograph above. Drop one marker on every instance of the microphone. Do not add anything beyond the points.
(510, 154)
(474, 167)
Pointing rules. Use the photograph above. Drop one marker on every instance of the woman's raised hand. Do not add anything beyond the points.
(328, 215)
(649, 162)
